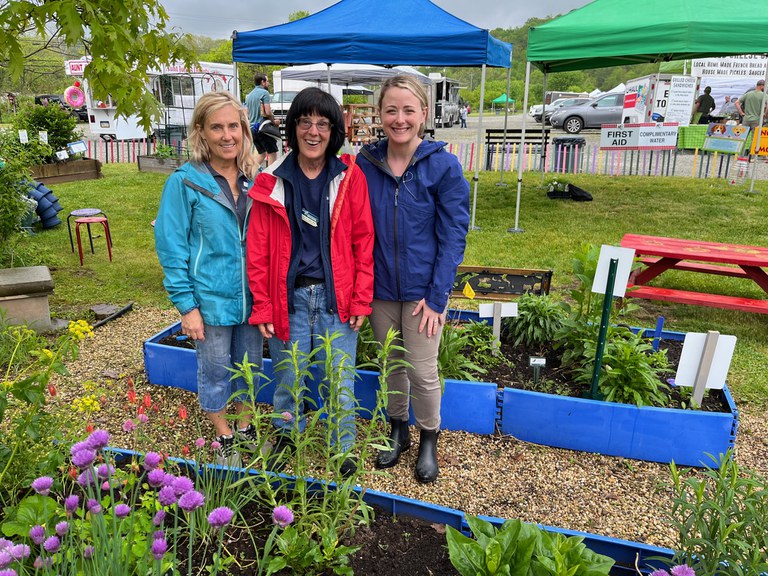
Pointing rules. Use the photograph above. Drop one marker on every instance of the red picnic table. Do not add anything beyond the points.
(660, 254)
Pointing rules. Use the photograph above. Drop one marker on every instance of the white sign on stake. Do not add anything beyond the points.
(625, 256)
(497, 311)
(23, 137)
(690, 359)
(43, 136)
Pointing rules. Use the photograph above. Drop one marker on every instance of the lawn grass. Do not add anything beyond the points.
(553, 231)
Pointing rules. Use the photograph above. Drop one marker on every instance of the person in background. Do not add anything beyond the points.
(200, 242)
(420, 206)
(728, 109)
(463, 115)
(259, 109)
(750, 106)
(705, 104)
(310, 259)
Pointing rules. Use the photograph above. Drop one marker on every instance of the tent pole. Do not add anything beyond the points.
(543, 126)
(520, 151)
(759, 131)
(478, 159)
(506, 118)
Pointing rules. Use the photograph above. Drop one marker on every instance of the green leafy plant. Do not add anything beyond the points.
(627, 374)
(721, 519)
(452, 358)
(556, 183)
(521, 549)
(538, 320)
(164, 151)
(53, 119)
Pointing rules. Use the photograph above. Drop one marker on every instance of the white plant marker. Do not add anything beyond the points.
(497, 311)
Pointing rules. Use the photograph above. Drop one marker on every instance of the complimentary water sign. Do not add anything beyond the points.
(644, 136)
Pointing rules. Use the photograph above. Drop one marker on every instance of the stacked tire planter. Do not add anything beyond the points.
(48, 206)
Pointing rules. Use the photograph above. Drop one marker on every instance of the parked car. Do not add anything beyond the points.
(535, 111)
(561, 103)
(605, 109)
(280, 102)
(47, 99)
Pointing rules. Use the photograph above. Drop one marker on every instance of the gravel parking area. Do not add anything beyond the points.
(492, 475)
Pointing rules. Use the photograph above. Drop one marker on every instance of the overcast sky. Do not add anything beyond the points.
(218, 18)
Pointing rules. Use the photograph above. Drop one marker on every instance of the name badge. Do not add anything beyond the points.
(308, 218)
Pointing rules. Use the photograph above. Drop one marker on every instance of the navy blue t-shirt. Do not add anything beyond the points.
(311, 191)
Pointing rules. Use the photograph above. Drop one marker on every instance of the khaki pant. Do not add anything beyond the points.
(419, 383)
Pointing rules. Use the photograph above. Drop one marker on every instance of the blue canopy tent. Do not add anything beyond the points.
(395, 32)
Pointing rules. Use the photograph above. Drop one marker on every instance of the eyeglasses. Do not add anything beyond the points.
(306, 124)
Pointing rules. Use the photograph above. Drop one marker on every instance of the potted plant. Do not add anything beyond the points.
(60, 129)
(165, 159)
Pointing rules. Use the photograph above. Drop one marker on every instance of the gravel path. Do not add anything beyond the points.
(492, 475)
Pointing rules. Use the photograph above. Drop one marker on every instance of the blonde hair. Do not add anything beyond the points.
(198, 147)
(410, 83)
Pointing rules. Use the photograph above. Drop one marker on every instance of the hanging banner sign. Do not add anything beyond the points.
(643, 136)
(726, 138)
(763, 151)
(746, 66)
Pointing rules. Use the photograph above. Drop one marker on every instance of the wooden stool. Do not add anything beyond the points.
(88, 221)
(82, 213)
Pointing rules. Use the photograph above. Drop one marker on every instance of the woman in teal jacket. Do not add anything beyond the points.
(200, 241)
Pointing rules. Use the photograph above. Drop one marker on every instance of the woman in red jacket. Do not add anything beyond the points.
(310, 257)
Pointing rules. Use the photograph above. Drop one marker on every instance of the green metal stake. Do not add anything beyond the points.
(606, 317)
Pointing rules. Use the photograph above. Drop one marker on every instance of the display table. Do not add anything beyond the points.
(691, 137)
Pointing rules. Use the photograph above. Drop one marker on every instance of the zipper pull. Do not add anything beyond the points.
(397, 191)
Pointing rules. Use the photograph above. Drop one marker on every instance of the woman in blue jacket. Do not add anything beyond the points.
(420, 206)
(200, 241)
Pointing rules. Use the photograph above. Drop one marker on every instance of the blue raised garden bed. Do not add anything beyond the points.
(625, 553)
(686, 437)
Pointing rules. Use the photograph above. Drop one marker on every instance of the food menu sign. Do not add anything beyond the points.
(680, 102)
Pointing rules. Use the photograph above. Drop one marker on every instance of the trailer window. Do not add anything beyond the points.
(172, 87)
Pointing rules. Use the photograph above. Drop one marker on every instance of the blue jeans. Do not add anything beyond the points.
(310, 321)
(222, 348)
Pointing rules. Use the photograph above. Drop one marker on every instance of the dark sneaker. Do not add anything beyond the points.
(226, 453)
(248, 438)
(279, 452)
(348, 467)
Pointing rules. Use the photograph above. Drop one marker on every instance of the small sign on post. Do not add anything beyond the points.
(704, 362)
(497, 311)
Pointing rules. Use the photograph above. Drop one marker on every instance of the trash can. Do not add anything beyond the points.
(569, 152)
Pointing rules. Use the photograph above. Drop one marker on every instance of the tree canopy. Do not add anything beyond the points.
(123, 38)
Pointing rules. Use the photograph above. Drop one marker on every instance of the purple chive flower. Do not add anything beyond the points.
(159, 518)
(9, 572)
(86, 478)
(42, 485)
(5, 544)
(88, 551)
(200, 443)
(52, 544)
(104, 471)
(159, 548)
(169, 479)
(71, 503)
(191, 500)
(77, 446)
(19, 552)
(158, 535)
(182, 485)
(41, 562)
(93, 506)
(62, 527)
(215, 445)
(152, 460)
(155, 477)
(129, 426)
(37, 534)
(83, 458)
(167, 496)
(98, 439)
(683, 570)
(659, 573)
(122, 510)
(287, 416)
(220, 517)
(143, 418)
(5, 559)
(282, 516)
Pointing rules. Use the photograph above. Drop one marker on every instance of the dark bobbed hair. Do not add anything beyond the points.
(314, 101)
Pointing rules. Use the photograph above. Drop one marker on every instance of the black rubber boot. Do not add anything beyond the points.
(426, 464)
(399, 441)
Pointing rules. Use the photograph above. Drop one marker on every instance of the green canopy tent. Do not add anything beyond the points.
(503, 99)
(616, 32)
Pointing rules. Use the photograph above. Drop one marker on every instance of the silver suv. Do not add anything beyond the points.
(561, 103)
(605, 109)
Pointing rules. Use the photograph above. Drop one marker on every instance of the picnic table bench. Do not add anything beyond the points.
(660, 254)
(494, 140)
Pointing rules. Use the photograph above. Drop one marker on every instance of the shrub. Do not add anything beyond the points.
(56, 121)
(537, 322)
